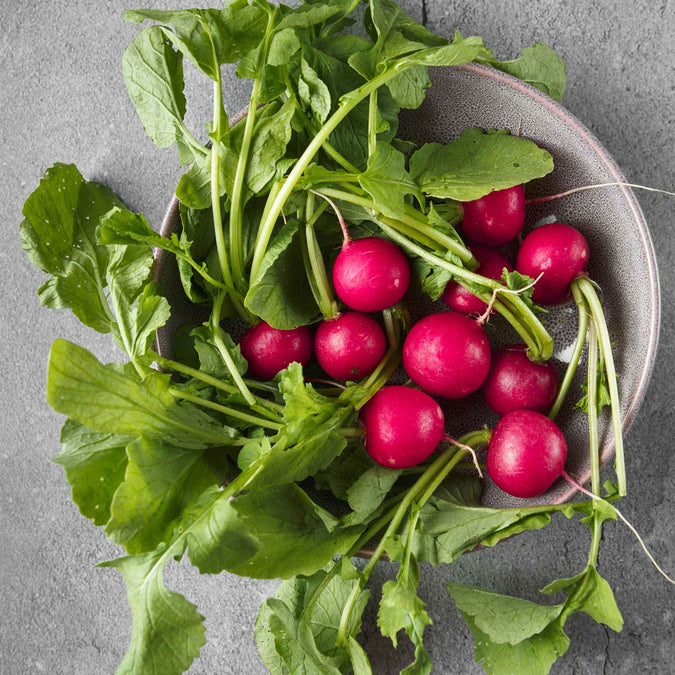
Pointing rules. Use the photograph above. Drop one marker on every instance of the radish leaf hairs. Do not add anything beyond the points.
(223, 453)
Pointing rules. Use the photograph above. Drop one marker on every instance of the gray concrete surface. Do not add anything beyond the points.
(62, 98)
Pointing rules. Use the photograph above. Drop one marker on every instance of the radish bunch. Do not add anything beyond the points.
(447, 354)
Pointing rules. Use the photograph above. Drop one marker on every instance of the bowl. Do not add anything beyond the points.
(622, 258)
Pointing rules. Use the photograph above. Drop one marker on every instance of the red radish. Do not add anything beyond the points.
(559, 253)
(269, 350)
(516, 383)
(491, 264)
(447, 355)
(370, 274)
(403, 426)
(496, 218)
(349, 347)
(526, 453)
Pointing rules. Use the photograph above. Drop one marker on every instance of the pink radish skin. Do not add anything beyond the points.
(269, 350)
(559, 253)
(370, 274)
(491, 264)
(526, 454)
(403, 426)
(447, 355)
(496, 218)
(349, 347)
(516, 383)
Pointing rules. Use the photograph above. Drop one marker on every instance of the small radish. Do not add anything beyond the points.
(403, 426)
(491, 265)
(349, 347)
(516, 383)
(269, 350)
(526, 454)
(447, 355)
(557, 252)
(496, 218)
(370, 274)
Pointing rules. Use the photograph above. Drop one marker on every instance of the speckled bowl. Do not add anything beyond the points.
(622, 257)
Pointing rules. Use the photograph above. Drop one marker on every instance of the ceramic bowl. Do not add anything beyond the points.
(622, 258)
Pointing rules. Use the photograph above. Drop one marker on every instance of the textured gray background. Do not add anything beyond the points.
(63, 99)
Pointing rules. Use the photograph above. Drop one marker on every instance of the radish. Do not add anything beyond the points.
(557, 252)
(516, 383)
(349, 347)
(496, 218)
(370, 274)
(526, 453)
(403, 426)
(269, 350)
(447, 355)
(491, 264)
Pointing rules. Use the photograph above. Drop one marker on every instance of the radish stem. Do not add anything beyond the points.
(582, 331)
(588, 289)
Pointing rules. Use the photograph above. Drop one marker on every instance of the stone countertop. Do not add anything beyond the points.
(63, 99)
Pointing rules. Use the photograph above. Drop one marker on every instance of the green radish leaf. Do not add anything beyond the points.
(387, 181)
(397, 34)
(272, 82)
(168, 632)
(368, 492)
(602, 393)
(95, 464)
(539, 66)
(267, 534)
(271, 135)
(301, 400)
(123, 227)
(515, 281)
(281, 294)
(139, 308)
(597, 599)
(460, 50)
(402, 609)
(477, 163)
(358, 657)
(447, 529)
(160, 481)
(284, 45)
(429, 279)
(313, 93)
(58, 235)
(294, 457)
(534, 655)
(307, 14)
(296, 636)
(503, 618)
(153, 73)
(197, 226)
(409, 88)
(433, 280)
(120, 226)
(210, 359)
(194, 186)
(345, 470)
(110, 401)
(50, 218)
(198, 33)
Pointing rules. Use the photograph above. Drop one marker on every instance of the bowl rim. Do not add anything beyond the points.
(602, 154)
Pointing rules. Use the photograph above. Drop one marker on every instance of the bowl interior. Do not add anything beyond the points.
(622, 258)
